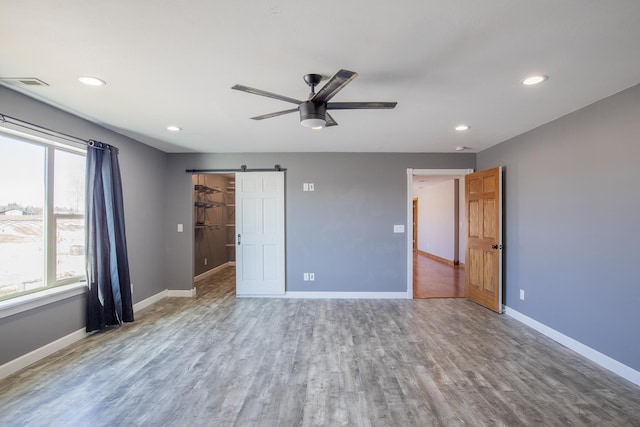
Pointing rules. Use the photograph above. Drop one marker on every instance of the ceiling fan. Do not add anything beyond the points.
(314, 111)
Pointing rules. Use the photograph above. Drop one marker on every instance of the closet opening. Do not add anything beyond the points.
(214, 219)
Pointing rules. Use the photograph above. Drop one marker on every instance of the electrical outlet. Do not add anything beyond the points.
(312, 277)
(305, 187)
(306, 277)
(522, 294)
(205, 261)
(180, 228)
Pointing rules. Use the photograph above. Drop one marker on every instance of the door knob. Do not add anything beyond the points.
(496, 246)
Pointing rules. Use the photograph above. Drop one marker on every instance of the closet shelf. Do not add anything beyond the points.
(230, 245)
(205, 204)
(230, 225)
(209, 226)
(208, 190)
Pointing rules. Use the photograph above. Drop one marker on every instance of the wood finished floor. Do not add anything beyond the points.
(215, 360)
(435, 279)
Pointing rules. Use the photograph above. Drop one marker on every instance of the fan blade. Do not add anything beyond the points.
(265, 93)
(276, 114)
(360, 105)
(330, 121)
(334, 85)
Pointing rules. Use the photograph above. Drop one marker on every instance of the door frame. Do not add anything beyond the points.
(410, 174)
(414, 223)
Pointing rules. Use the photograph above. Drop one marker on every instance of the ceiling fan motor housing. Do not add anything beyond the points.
(313, 110)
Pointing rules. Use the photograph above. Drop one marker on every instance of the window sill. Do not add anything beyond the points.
(38, 299)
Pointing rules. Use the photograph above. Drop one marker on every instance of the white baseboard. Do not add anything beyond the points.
(167, 293)
(181, 293)
(603, 360)
(149, 301)
(346, 295)
(214, 270)
(40, 353)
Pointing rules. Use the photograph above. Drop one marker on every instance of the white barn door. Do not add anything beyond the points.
(260, 233)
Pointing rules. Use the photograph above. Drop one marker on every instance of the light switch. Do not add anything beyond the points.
(312, 187)
(180, 228)
(398, 228)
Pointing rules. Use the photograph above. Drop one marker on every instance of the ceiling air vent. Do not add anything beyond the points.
(23, 81)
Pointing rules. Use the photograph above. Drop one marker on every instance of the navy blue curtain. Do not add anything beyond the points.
(109, 299)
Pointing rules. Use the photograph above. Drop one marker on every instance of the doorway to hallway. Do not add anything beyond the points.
(437, 219)
(436, 279)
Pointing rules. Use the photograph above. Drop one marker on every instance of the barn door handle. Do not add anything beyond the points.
(238, 239)
(496, 246)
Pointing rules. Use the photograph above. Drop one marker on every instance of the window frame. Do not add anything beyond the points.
(52, 286)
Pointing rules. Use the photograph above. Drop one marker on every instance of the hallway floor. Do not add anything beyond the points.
(435, 279)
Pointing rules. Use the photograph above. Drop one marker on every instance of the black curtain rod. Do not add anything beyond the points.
(243, 168)
(50, 132)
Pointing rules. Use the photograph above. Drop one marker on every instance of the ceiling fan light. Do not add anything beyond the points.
(313, 123)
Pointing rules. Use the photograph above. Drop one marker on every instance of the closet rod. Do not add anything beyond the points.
(50, 132)
(243, 168)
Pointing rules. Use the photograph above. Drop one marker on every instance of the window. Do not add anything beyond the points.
(41, 216)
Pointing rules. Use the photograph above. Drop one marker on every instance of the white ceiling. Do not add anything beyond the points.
(444, 61)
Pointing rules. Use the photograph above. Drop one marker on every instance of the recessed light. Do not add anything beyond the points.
(91, 81)
(461, 148)
(462, 128)
(534, 80)
(174, 128)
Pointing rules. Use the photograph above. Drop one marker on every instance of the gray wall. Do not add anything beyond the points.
(143, 175)
(572, 230)
(342, 232)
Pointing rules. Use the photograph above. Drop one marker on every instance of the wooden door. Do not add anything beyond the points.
(260, 233)
(483, 200)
